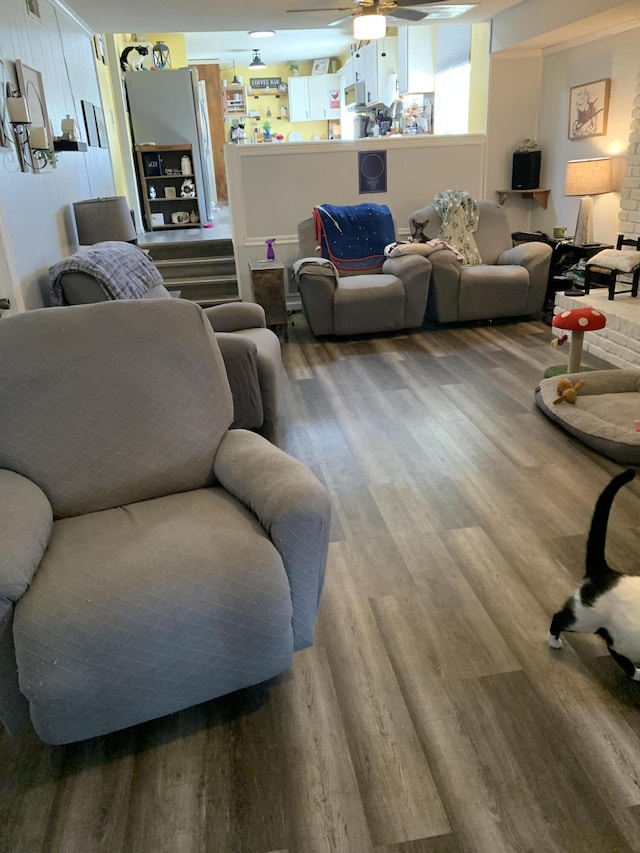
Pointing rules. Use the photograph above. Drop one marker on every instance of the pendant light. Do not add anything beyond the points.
(256, 62)
(235, 81)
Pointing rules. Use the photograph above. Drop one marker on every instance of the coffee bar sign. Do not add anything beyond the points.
(265, 82)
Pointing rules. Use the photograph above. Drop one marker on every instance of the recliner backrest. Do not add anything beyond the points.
(493, 235)
(111, 403)
(308, 245)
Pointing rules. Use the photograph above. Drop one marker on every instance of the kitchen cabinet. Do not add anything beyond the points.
(234, 100)
(379, 60)
(314, 98)
(416, 56)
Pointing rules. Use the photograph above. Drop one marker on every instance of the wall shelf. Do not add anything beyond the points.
(541, 196)
(69, 145)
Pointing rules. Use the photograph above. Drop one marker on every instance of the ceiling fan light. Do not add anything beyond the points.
(256, 62)
(262, 34)
(369, 27)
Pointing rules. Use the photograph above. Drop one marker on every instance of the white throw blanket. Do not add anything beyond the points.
(459, 214)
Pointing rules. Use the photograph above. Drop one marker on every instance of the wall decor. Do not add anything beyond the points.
(89, 114)
(265, 82)
(372, 171)
(32, 90)
(101, 127)
(589, 109)
(320, 66)
(98, 46)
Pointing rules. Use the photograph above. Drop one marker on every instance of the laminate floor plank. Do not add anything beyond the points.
(324, 808)
(399, 796)
(441, 844)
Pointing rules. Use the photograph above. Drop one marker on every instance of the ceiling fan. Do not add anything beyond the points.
(401, 9)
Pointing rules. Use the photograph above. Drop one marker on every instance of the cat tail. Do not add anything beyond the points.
(595, 563)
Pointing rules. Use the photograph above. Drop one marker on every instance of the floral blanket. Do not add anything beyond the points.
(459, 214)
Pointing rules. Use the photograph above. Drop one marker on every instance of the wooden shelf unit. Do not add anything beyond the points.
(540, 195)
(153, 163)
(234, 101)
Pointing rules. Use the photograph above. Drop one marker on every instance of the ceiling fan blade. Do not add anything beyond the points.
(322, 9)
(407, 14)
(340, 21)
(419, 2)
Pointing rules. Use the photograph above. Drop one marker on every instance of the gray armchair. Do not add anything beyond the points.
(386, 300)
(510, 282)
(152, 559)
(251, 352)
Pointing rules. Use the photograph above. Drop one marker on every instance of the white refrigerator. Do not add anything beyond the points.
(169, 107)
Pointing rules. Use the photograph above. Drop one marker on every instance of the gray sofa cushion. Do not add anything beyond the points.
(139, 611)
(365, 302)
(492, 291)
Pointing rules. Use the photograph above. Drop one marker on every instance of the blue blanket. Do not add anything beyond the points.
(354, 237)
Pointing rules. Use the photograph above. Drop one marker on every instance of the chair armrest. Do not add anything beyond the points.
(236, 315)
(317, 280)
(444, 288)
(27, 520)
(292, 506)
(240, 355)
(526, 254)
(535, 258)
(415, 272)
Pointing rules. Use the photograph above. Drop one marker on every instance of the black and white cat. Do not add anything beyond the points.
(606, 603)
(132, 57)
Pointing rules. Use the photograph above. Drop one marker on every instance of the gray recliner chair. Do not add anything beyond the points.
(152, 558)
(251, 352)
(510, 282)
(391, 298)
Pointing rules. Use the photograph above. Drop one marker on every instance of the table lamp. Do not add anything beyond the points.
(100, 219)
(587, 178)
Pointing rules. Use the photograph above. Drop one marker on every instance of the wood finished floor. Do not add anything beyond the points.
(430, 716)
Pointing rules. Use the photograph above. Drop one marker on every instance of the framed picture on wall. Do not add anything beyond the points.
(89, 114)
(589, 109)
(101, 126)
(320, 66)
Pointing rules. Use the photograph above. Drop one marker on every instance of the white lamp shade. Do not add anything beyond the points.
(588, 177)
(368, 27)
(100, 219)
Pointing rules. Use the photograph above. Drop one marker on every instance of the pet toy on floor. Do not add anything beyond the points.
(567, 390)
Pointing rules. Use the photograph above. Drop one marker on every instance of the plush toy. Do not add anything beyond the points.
(568, 391)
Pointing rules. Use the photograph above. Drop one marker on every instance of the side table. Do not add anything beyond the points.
(268, 283)
(565, 254)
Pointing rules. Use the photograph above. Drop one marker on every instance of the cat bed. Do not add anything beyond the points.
(604, 415)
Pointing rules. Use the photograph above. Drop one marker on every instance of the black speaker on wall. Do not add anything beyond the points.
(526, 170)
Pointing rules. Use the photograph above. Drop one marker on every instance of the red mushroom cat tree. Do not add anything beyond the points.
(577, 321)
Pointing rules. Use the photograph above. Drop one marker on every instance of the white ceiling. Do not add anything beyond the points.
(218, 30)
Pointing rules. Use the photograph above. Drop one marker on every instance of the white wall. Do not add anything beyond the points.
(514, 97)
(36, 207)
(273, 187)
(615, 57)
